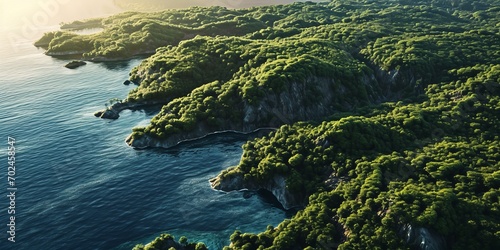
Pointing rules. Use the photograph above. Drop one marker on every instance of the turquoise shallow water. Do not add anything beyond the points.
(81, 187)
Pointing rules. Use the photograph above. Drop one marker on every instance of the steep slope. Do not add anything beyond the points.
(364, 177)
(259, 84)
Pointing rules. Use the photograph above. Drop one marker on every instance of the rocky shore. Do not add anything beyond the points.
(75, 64)
(285, 107)
(290, 105)
(276, 185)
(149, 141)
(113, 112)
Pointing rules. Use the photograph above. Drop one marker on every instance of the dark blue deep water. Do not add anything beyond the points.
(81, 187)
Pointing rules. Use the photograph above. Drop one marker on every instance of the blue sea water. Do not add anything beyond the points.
(79, 186)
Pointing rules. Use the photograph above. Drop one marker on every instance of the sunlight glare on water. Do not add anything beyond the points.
(79, 185)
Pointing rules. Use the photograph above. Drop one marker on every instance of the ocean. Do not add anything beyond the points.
(77, 185)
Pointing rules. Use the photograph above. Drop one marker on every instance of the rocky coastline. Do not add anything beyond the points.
(145, 53)
(286, 107)
(148, 141)
(113, 112)
(276, 185)
(75, 64)
(65, 53)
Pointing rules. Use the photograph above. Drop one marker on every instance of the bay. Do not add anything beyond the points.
(79, 186)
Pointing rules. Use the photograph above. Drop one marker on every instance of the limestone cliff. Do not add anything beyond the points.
(113, 111)
(276, 185)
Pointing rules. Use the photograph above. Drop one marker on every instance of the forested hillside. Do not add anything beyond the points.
(386, 113)
(156, 5)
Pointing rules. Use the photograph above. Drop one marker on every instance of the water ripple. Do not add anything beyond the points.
(81, 187)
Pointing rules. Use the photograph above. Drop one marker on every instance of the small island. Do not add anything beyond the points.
(75, 64)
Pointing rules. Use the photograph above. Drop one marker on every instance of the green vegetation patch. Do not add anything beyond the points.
(387, 111)
(235, 75)
(432, 165)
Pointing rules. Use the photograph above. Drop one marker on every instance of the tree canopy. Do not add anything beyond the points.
(387, 112)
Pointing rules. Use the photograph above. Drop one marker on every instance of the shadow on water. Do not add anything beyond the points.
(229, 138)
(224, 138)
(121, 64)
(117, 65)
(215, 139)
(113, 65)
(65, 58)
(268, 197)
(150, 110)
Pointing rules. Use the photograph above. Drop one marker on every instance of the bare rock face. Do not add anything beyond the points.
(147, 141)
(287, 199)
(113, 112)
(276, 185)
(231, 183)
(107, 114)
(298, 101)
(273, 110)
(75, 64)
(422, 238)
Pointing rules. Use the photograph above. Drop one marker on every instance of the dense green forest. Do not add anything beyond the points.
(387, 112)
(168, 242)
(432, 163)
(156, 5)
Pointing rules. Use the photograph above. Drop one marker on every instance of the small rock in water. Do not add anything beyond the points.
(107, 114)
(75, 64)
